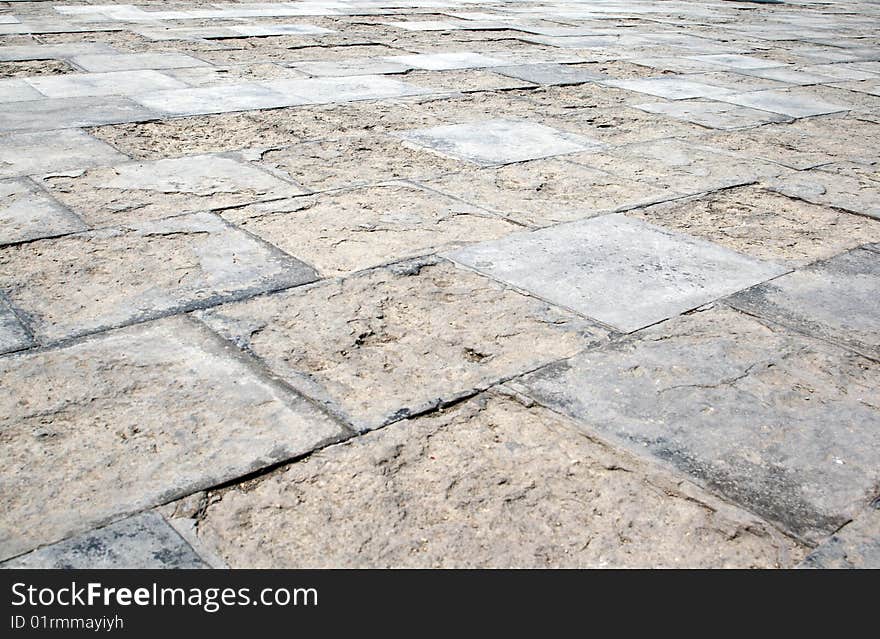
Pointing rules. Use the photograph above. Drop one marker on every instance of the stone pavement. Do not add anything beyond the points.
(440, 283)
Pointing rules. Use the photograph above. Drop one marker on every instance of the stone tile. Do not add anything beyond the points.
(86, 282)
(351, 67)
(69, 113)
(545, 192)
(134, 418)
(714, 115)
(839, 71)
(15, 90)
(790, 75)
(790, 103)
(734, 61)
(13, 335)
(489, 483)
(347, 89)
(620, 271)
(738, 82)
(623, 125)
(354, 160)
(854, 193)
(101, 63)
(254, 30)
(28, 213)
(216, 99)
(346, 231)
(75, 85)
(53, 52)
(855, 546)
(446, 61)
(764, 224)
(834, 300)
(494, 142)
(551, 74)
(46, 151)
(671, 88)
(144, 541)
(237, 74)
(138, 191)
(778, 422)
(392, 342)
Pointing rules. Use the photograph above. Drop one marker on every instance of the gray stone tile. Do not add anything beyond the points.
(848, 192)
(144, 541)
(345, 89)
(76, 85)
(28, 213)
(622, 272)
(86, 282)
(855, 546)
(493, 142)
(446, 61)
(670, 88)
(350, 67)
(16, 90)
(789, 75)
(53, 51)
(835, 300)
(783, 424)
(47, 151)
(99, 63)
(131, 419)
(734, 61)
(69, 113)
(252, 30)
(550, 74)
(784, 102)
(216, 99)
(715, 115)
(13, 334)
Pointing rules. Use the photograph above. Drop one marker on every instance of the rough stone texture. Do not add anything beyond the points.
(714, 115)
(150, 190)
(141, 542)
(346, 231)
(13, 335)
(426, 334)
(68, 113)
(856, 545)
(783, 424)
(833, 300)
(91, 281)
(853, 192)
(28, 68)
(620, 271)
(45, 151)
(28, 213)
(133, 418)
(489, 483)
(764, 224)
(785, 102)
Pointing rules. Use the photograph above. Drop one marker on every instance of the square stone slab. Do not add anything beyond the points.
(217, 99)
(74, 85)
(345, 231)
(446, 61)
(550, 74)
(134, 418)
(46, 151)
(781, 423)
(545, 192)
(15, 90)
(351, 67)
(13, 335)
(835, 300)
(68, 113)
(784, 102)
(488, 483)
(138, 191)
(53, 51)
(790, 75)
(87, 282)
(623, 272)
(494, 142)
(715, 115)
(99, 63)
(735, 61)
(393, 342)
(28, 213)
(346, 89)
(144, 541)
(670, 88)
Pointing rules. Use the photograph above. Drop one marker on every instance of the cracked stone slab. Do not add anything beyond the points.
(70, 113)
(671, 88)
(834, 300)
(144, 541)
(139, 191)
(853, 192)
(550, 74)
(494, 142)
(75, 85)
(217, 99)
(45, 151)
(784, 102)
(395, 341)
(545, 192)
(763, 224)
(345, 231)
(100, 63)
(87, 282)
(855, 546)
(488, 483)
(133, 418)
(783, 424)
(13, 335)
(620, 271)
(28, 213)
(446, 61)
(711, 114)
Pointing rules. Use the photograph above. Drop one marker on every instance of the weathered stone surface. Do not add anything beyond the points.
(345, 231)
(144, 541)
(28, 213)
(671, 88)
(495, 142)
(102, 63)
(623, 272)
(463, 81)
(49, 52)
(392, 342)
(714, 115)
(74, 85)
(764, 224)
(45, 151)
(834, 300)
(856, 545)
(69, 113)
(852, 192)
(13, 335)
(133, 418)
(17, 91)
(87, 282)
(791, 103)
(489, 483)
(740, 62)
(445, 61)
(553, 74)
(139, 191)
(216, 99)
(345, 89)
(781, 423)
